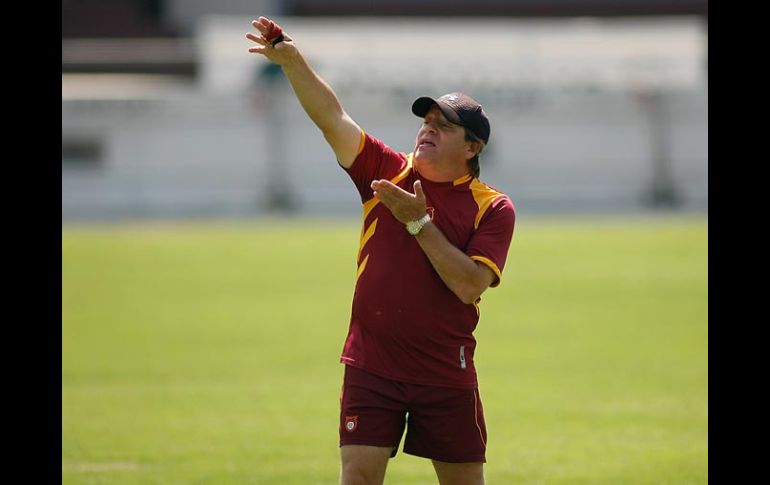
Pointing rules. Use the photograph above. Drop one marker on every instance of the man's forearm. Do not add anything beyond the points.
(466, 278)
(316, 97)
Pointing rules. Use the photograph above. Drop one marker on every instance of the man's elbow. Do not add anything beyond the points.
(469, 293)
(471, 289)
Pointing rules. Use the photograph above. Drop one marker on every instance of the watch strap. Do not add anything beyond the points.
(414, 227)
(423, 220)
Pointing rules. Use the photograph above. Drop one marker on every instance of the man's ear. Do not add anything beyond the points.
(473, 149)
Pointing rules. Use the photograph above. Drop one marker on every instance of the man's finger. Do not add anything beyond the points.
(390, 187)
(259, 25)
(418, 191)
(257, 39)
(379, 191)
(384, 198)
(381, 185)
(274, 33)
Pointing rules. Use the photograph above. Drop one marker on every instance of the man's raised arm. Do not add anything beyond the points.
(316, 97)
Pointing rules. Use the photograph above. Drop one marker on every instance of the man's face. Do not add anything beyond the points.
(440, 140)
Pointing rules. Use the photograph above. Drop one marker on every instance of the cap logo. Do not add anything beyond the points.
(450, 97)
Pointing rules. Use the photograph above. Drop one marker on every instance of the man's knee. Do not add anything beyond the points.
(356, 474)
(459, 473)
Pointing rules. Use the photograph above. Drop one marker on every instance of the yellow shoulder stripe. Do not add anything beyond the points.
(401, 176)
(484, 196)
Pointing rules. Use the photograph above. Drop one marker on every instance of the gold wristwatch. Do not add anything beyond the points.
(414, 227)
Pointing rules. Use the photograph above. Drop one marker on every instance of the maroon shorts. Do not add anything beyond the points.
(442, 423)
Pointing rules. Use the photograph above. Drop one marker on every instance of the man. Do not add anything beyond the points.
(425, 257)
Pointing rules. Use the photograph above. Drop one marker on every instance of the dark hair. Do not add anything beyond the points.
(473, 163)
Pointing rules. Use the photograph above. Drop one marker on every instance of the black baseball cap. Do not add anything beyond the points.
(458, 108)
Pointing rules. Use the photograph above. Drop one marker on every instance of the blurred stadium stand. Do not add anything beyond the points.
(164, 114)
(162, 18)
(489, 8)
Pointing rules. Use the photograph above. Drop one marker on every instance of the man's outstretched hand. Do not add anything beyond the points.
(273, 41)
(404, 206)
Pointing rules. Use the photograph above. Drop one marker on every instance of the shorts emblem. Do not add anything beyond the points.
(351, 423)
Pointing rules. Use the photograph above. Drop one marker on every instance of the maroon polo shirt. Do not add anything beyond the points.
(405, 323)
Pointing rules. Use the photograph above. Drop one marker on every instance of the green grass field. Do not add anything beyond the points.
(208, 353)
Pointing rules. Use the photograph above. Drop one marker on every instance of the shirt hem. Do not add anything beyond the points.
(452, 385)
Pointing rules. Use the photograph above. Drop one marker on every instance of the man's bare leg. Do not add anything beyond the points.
(459, 473)
(364, 465)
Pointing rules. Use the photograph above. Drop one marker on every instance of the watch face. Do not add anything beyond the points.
(413, 227)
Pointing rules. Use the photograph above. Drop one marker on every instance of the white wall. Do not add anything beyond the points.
(185, 14)
(560, 145)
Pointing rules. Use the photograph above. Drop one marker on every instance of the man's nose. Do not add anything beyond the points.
(429, 126)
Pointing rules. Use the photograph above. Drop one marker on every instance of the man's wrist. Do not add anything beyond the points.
(415, 226)
(293, 61)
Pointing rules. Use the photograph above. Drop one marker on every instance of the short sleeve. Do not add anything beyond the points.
(375, 161)
(489, 244)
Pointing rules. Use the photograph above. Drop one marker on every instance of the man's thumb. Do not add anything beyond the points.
(418, 190)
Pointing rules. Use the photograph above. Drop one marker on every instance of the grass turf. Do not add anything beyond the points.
(208, 353)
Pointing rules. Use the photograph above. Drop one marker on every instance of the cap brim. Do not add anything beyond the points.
(422, 105)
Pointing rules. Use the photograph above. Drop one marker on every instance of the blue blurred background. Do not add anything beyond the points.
(595, 106)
